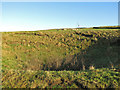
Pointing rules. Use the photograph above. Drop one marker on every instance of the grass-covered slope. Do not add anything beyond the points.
(60, 49)
(25, 54)
(98, 78)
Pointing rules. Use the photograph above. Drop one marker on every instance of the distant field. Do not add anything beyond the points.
(26, 54)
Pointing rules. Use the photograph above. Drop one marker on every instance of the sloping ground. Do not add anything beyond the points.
(98, 78)
(26, 54)
(60, 49)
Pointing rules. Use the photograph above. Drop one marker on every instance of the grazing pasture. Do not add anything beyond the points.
(61, 58)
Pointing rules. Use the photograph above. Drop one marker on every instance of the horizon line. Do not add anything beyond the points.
(60, 28)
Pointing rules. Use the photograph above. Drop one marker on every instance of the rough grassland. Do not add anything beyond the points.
(98, 78)
(83, 58)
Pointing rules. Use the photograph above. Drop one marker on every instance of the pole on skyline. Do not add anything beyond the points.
(78, 26)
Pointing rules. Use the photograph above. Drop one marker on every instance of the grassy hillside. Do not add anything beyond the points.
(98, 78)
(76, 50)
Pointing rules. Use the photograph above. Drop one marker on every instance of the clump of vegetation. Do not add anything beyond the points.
(91, 67)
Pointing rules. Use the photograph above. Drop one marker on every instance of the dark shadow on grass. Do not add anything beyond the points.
(103, 54)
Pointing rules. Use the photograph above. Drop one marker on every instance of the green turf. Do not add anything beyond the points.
(97, 78)
(28, 52)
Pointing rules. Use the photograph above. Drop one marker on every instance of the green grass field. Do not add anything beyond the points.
(79, 58)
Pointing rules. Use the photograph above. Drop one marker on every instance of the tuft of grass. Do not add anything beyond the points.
(91, 67)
